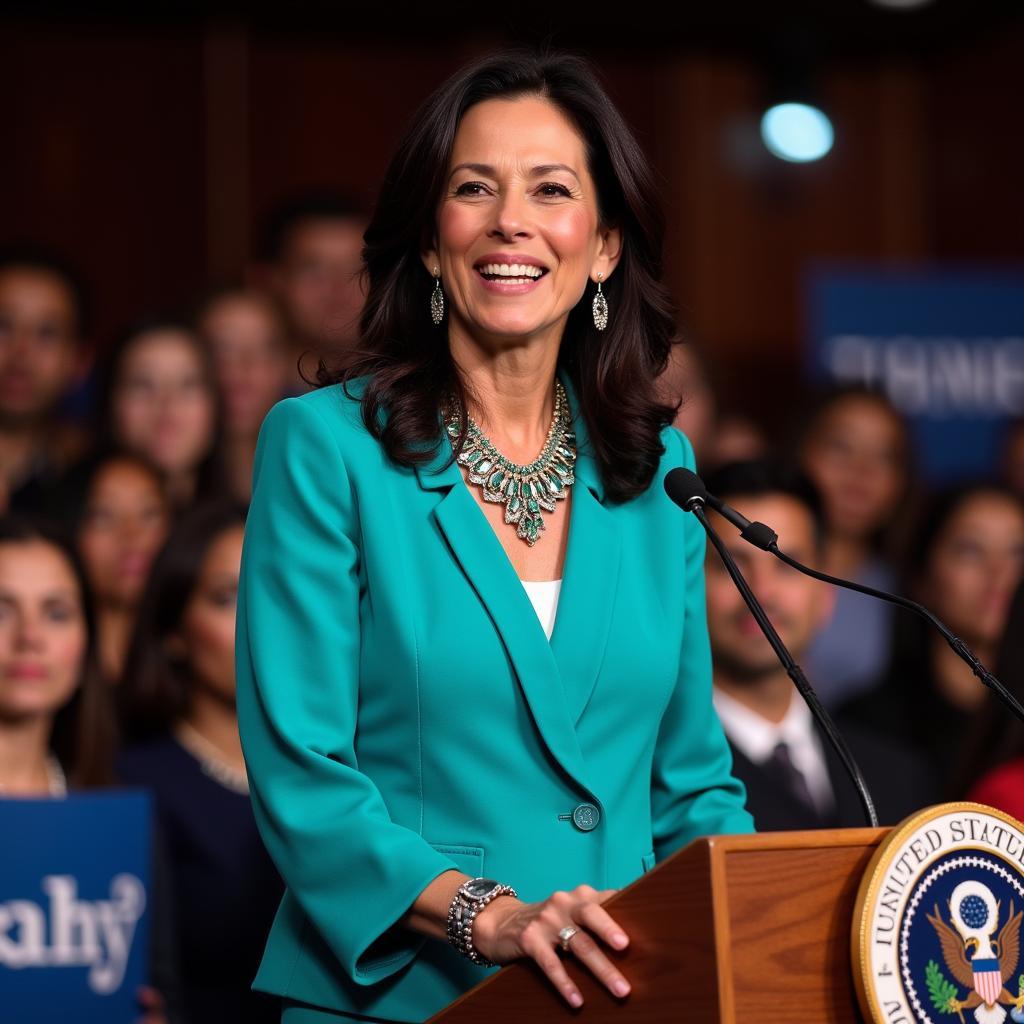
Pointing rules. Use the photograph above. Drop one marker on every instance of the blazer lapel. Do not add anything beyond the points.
(482, 558)
(590, 578)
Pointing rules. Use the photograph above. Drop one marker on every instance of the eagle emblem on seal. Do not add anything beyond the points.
(979, 959)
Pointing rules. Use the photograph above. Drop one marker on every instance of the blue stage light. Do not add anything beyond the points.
(797, 132)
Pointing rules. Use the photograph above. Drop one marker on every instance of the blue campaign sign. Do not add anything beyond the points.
(947, 347)
(74, 879)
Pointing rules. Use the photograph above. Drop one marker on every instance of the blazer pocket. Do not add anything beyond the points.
(648, 861)
(469, 858)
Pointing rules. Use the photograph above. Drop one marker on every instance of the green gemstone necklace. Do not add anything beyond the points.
(524, 489)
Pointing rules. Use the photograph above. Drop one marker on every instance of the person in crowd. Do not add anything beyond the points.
(120, 523)
(856, 449)
(718, 435)
(793, 777)
(1011, 461)
(420, 694)
(178, 706)
(737, 438)
(56, 718)
(965, 565)
(312, 252)
(687, 381)
(42, 358)
(246, 333)
(992, 771)
(159, 398)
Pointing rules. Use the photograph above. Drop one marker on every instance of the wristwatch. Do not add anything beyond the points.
(470, 898)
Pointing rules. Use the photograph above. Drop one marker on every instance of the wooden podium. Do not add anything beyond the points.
(730, 928)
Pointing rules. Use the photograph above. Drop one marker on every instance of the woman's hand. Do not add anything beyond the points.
(507, 929)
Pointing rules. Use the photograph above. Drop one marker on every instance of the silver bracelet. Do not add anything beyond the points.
(469, 899)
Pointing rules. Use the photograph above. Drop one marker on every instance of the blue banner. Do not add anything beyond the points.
(947, 348)
(74, 880)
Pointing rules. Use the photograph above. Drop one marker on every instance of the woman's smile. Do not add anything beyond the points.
(509, 273)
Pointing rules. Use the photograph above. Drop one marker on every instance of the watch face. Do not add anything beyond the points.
(480, 887)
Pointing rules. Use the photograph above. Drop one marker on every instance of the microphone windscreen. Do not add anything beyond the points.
(684, 486)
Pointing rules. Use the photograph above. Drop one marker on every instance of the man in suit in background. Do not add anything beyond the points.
(794, 779)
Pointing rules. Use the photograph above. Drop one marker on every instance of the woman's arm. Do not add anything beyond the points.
(693, 790)
(353, 871)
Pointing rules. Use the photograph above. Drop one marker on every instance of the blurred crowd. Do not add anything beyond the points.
(124, 482)
(838, 484)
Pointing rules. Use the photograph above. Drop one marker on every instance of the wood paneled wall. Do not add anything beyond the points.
(150, 155)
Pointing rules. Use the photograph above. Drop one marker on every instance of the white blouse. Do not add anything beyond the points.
(544, 595)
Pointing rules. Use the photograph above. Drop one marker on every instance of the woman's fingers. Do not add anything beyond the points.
(599, 921)
(583, 946)
(550, 963)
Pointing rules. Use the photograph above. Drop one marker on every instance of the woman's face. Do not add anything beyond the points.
(247, 341)
(124, 522)
(163, 406)
(975, 567)
(518, 190)
(856, 458)
(43, 633)
(207, 631)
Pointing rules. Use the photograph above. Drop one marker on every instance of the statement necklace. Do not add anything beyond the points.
(524, 489)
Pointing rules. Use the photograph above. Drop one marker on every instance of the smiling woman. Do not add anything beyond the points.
(410, 714)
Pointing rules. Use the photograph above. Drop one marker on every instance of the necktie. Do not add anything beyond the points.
(791, 776)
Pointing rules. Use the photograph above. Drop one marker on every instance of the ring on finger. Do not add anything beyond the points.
(565, 935)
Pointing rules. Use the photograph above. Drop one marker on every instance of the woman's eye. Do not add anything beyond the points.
(61, 613)
(559, 189)
(461, 190)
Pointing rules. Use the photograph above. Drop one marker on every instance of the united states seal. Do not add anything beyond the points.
(938, 920)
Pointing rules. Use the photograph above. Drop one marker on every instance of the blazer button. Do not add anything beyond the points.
(585, 817)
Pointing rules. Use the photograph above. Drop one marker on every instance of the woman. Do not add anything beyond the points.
(993, 764)
(56, 726)
(246, 334)
(407, 723)
(857, 451)
(966, 564)
(178, 700)
(159, 398)
(123, 522)
(56, 723)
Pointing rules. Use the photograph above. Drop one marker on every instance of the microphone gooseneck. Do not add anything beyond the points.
(958, 645)
(687, 490)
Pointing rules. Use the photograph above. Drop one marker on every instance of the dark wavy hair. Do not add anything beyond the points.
(407, 360)
(84, 732)
(156, 683)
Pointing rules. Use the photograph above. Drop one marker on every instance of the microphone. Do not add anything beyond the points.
(685, 487)
(687, 483)
(687, 490)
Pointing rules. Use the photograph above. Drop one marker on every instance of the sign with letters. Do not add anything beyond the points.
(946, 347)
(74, 878)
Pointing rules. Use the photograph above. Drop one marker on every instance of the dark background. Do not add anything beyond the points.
(148, 145)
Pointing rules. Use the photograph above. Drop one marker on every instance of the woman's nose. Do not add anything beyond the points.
(30, 634)
(511, 215)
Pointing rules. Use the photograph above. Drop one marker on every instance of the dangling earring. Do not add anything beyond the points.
(437, 299)
(600, 307)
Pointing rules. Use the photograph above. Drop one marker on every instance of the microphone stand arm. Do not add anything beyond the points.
(793, 670)
(948, 635)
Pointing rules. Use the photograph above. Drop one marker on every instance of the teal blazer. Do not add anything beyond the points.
(403, 713)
